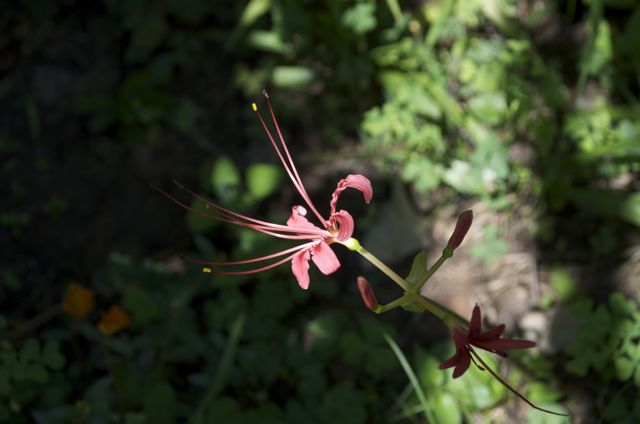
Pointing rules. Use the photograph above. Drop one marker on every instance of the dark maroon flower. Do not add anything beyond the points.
(488, 340)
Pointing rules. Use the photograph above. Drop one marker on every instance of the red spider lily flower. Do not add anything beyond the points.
(338, 227)
(488, 340)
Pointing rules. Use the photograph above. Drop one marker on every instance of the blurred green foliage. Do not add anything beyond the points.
(607, 345)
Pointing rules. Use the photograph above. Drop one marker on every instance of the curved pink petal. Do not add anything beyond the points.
(324, 258)
(357, 181)
(300, 268)
(345, 224)
(298, 220)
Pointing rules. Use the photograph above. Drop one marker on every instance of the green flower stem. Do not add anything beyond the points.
(402, 300)
(450, 318)
(384, 268)
(412, 293)
(433, 269)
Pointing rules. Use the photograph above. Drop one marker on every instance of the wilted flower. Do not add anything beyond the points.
(113, 320)
(78, 301)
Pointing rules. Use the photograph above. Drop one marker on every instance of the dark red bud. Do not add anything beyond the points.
(366, 292)
(462, 227)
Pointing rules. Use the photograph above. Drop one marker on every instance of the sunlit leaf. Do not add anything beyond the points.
(263, 179)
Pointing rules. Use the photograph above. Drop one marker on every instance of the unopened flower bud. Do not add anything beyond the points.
(366, 292)
(462, 227)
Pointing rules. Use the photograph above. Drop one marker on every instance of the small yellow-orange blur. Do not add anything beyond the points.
(113, 320)
(78, 301)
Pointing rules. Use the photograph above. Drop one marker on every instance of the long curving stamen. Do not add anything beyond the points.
(248, 261)
(250, 271)
(289, 166)
(232, 217)
(265, 229)
(240, 216)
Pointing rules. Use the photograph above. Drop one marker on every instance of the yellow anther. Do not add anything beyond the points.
(254, 107)
(206, 270)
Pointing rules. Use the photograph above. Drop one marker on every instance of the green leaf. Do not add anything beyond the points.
(418, 268)
(30, 351)
(361, 18)
(541, 393)
(224, 410)
(159, 403)
(622, 306)
(352, 347)
(578, 366)
(263, 179)
(51, 355)
(344, 404)
(424, 174)
(197, 223)
(624, 367)
(415, 384)
(269, 41)
(539, 417)
(292, 76)
(37, 373)
(616, 410)
(185, 116)
(563, 284)
(148, 33)
(379, 362)
(225, 179)
(445, 408)
(143, 309)
(607, 203)
(5, 382)
(489, 107)
(252, 11)
(428, 372)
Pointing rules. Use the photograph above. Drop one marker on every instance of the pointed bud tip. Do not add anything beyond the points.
(264, 93)
(367, 294)
(462, 227)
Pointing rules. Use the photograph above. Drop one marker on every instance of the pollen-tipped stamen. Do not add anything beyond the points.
(252, 260)
(288, 164)
(232, 217)
(250, 271)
